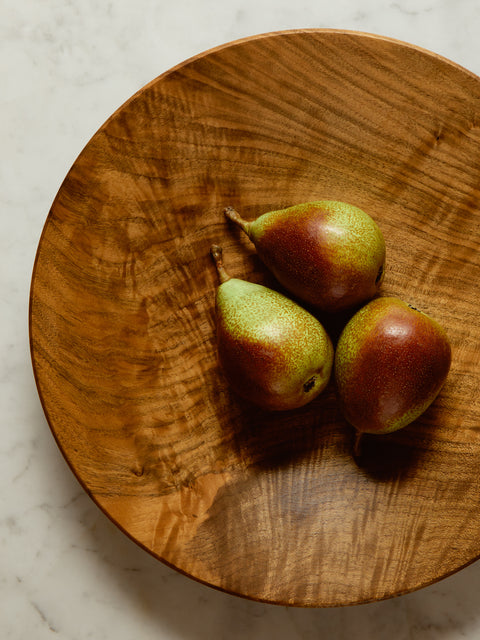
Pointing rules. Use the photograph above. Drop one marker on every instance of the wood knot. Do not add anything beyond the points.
(138, 471)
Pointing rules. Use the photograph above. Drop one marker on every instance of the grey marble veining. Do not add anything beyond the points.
(65, 570)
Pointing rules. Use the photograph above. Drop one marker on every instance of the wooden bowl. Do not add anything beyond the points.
(272, 507)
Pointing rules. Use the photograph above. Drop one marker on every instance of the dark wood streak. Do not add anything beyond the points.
(272, 507)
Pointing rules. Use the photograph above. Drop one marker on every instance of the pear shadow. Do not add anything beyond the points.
(334, 323)
(395, 457)
(271, 440)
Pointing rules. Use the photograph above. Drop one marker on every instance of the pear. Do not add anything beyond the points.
(391, 361)
(328, 254)
(274, 353)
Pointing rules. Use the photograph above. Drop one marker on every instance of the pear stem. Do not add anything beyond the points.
(233, 215)
(217, 255)
(357, 445)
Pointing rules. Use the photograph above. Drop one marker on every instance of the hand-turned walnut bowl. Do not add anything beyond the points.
(270, 506)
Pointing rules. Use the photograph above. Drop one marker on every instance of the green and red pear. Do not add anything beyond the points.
(273, 352)
(328, 254)
(391, 361)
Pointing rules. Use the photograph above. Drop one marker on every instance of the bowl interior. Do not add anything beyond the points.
(268, 506)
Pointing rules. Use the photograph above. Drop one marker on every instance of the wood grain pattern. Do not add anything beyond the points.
(268, 506)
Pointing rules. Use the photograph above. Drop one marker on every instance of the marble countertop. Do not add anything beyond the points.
(65, 570)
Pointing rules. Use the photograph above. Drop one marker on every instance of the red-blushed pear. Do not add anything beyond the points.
(328, 254)
(391, 361)
(273, 352)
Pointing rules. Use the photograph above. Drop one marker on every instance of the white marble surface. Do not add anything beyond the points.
(65, 570)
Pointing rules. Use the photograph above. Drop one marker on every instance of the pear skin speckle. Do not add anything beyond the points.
(273, 351)
(391, 362)
(330, 254)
